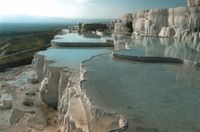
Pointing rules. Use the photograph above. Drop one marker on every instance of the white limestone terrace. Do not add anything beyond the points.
(107, 94)
(179, 22)
(156, 50)
(193, 2)
(58, 70)
(71, 57)
(137, 54)
(80, 40)
(61, 88)
(153, 97)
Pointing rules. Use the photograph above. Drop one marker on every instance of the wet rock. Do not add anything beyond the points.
(33, 81)
(49, 87)
(162, 22)
(7, 101)
(30, 94)
(193, 2)
(92, 27)
(40, 63)
(38, 123)
(128, 18)
(125, 25)
(16, 115)
(122, 28)
(28, 102)
(167, 32)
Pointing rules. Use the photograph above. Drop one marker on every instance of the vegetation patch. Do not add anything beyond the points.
(23, 46)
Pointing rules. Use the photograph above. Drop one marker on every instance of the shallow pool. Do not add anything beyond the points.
(153, 97)
(157, 47)
(71, 57)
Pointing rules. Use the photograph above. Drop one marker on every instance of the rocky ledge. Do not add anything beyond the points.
(60, 88)
(180, 22)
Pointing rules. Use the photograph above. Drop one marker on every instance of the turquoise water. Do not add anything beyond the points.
(71, 57)
(153, 97)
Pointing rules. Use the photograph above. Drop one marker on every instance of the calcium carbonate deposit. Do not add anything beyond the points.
(143, 78)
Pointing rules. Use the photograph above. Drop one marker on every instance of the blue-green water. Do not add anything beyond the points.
(158, 47)
(72, 57)
(152, 97)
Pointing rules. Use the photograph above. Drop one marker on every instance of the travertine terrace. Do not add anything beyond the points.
(143, 78)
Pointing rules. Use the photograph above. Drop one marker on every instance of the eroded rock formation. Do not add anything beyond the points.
(49, 87)
(163, 22)
(61, 89)
(193, 3)
(124, 25)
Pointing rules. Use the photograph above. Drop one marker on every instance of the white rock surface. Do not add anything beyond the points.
(162, 22)
(167, 32)
(121, 27)
(125, 25)
(127, 18)
(49, 87)
(7, 101)
(61, 89)
(40, 63)
(193, 2)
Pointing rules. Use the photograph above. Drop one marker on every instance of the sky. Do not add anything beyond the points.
(81, 8)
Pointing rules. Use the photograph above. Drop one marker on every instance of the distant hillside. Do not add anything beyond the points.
(42, 19)
(32, 19)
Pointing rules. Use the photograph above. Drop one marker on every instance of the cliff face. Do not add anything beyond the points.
(49, 88)
(163, 22)
(61, 89)
(193, 2)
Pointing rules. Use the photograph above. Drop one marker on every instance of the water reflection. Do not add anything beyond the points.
(71, 57)
(159, 47)
(154, 97)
